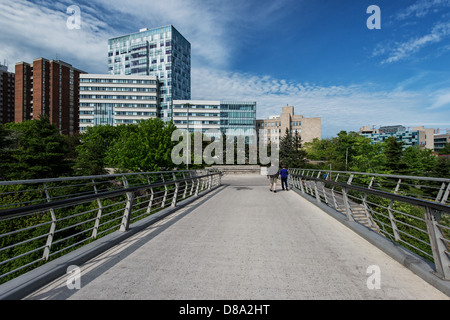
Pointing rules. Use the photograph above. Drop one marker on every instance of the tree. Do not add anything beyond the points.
(367, 157)
(144, 147)
(5, 155)
(321, 150)
(286, 148)
(292, 154)
(300, 154)
(445, 150)
(442, 168)
(91, 152)
(34, 149)
(418, 161)
(393, 151)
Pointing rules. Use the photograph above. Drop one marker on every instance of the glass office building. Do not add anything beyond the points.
(196, 116)
(161, 52)
(409, 138)
(237, 117)
(230, 117)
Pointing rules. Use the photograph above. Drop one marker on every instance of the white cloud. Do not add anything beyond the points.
(340, 107)
(30, 31)
(215, 29)
(405, 49)
(442, 100)
(421, 8)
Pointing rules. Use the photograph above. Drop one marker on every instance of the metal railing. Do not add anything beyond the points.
(412, 211)
(43, 219)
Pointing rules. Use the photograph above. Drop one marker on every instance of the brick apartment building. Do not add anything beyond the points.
(6, 95)
(50, 88)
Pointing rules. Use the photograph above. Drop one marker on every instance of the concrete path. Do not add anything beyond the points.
(244, 242)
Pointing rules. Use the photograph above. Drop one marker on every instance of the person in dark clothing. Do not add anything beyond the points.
(284, 176)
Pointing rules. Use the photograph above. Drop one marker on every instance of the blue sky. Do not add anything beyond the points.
(317, 55)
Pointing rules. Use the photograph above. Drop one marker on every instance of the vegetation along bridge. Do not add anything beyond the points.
(205, 235)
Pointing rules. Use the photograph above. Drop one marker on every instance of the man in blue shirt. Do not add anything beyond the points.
(284, 176)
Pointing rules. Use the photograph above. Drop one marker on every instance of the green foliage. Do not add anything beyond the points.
(445, 150)
(33, 149)
(442, 168)
(144, 147)
(356, 153)
(91, 152)
(292, 155)
(393, 150)
(418, 162)
(367, 157)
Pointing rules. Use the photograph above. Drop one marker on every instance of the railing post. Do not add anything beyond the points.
(163, 203)
(209, 180)
(348, 207)
(333, 195)
(365, 205)
(192, 183)
(324, 192)
(316, 190)
(438, 246)
(391, 214)
(185, 186)
(150, 203)
(99, 213)
(51, 233)
(198, 186)
(302, 186)
(152, 195)
(446, 194)
(128, 207)
(308, 185)
(177, 186)
(441, 192)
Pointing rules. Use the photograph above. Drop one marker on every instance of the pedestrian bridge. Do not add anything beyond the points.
(200, 235)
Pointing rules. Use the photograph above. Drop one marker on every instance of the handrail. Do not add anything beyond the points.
(384, 194)
(397, 176)
(8, 213)
(424, 227)
(37, 227)
(114, 175)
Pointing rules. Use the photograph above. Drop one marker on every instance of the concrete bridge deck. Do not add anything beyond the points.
(242, 241)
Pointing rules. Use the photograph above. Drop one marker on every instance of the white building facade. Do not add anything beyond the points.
(117, 99)
(196, 115)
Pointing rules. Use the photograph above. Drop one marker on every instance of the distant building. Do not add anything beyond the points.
(196, 115)
(50, 88)
(230, 117)
(440, 140)
(117, 99)
(417, 136)
(273, 129)
(6, 95)
(160, 52)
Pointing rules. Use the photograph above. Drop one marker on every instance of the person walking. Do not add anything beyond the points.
(284, 173)
(272, 175)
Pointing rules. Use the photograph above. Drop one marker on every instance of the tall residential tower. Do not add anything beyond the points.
(160, 52)
(48, 88)
(6, 95)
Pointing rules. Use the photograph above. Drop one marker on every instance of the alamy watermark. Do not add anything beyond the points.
(222, 148)
(74, 21)
(74, 278)
(374, 280)
(374, 21)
